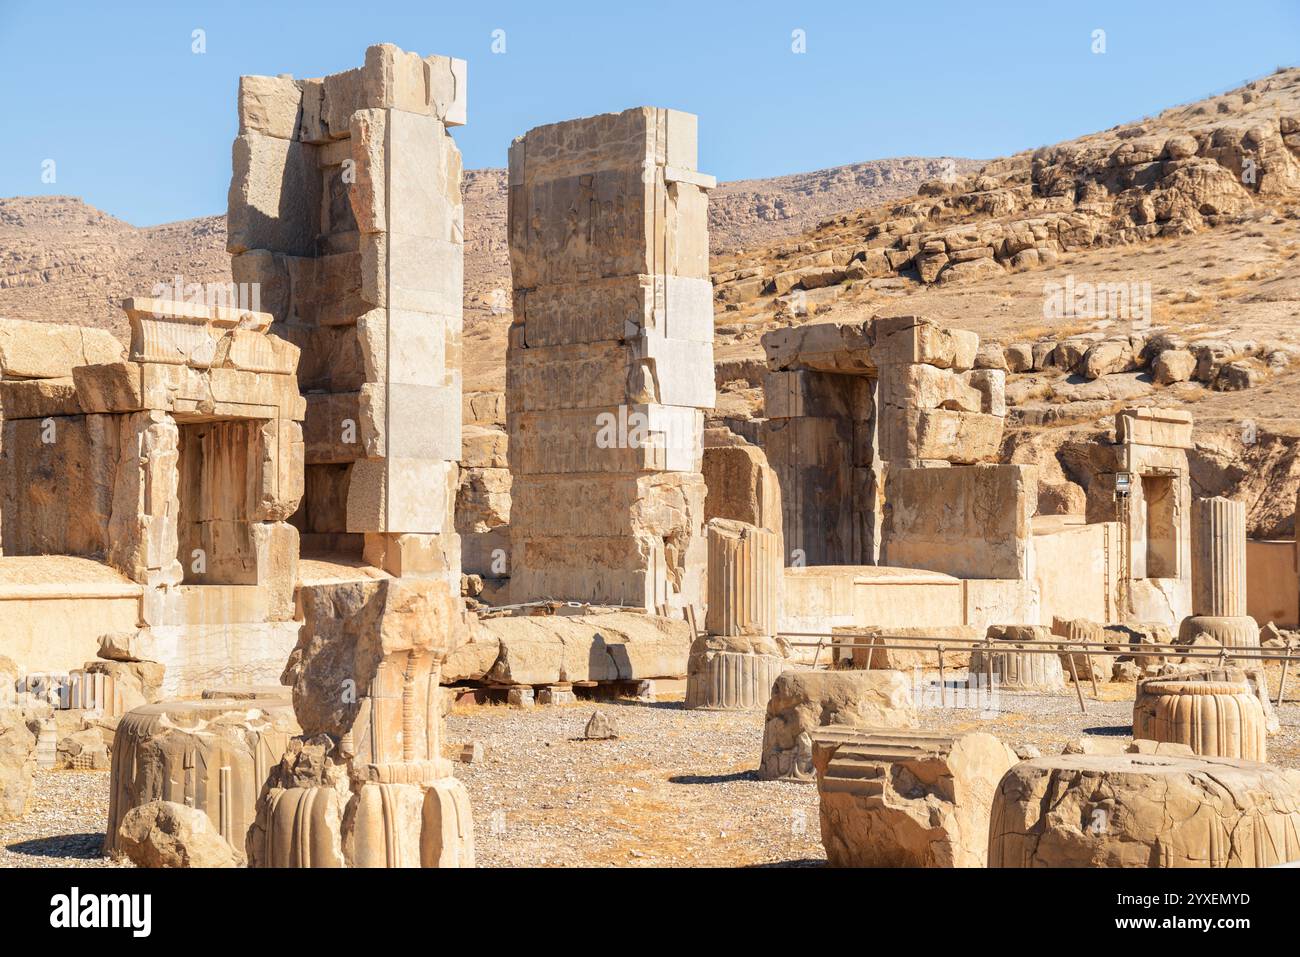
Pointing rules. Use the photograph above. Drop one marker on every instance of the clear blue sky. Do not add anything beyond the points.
(140, 126)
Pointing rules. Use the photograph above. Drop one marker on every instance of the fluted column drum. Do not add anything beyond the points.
(743, 579)
(1220, 719)
(1218, 558)
(212, 755)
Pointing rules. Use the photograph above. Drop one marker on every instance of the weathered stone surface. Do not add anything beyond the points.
(744, 578)
(1145, 810)
(1018, 667)
(47, 350)
(733, 674)
(567, 648)
(1214, 718)
(211, 755)
(17, 762)
(906, 799)
(600, 727)
(1098, 666)
(165, 834)
(350, 628)
(803, 701)
(609, 363)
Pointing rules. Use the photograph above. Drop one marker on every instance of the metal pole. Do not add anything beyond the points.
(1078, 691)
(1281, 685)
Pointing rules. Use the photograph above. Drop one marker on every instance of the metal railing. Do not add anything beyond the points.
(1059, 646)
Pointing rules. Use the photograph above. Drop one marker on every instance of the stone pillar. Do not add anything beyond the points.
(734, 665)
(366, 784)
(345, 218)
(1219, 576)
(744, 571)
(1219, 557)
(610, 360)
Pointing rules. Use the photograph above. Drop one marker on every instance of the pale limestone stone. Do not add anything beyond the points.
(212, 756)
(165, 834)
(803, 701)
(47, 350)
(1145, 810)
(892, 798)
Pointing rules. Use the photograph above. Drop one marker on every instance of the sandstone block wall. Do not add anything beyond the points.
(609, 361)
(848, 402)
(345, 207)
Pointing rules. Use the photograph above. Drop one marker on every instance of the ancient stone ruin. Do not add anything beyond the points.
(610, 361)
(250, 563)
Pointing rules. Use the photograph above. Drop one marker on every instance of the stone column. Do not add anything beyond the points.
(1219, 557)
(744, 571)
(366, 784)
(1219, 575)
(345, 221)
(610, 360)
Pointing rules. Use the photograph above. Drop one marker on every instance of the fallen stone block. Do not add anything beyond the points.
(803, 701)
(907, 798)
(1145, 810)
(165, 834)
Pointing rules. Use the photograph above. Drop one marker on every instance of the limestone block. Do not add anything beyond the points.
(624, 438)
(280, 479)
(483, 409)
(271, 105)
(275, 545)
(893, 798)
(166, 834)
(803, 701)
(630, 307)
(744, 575)
(414, 556)
(38, 398)
(741, 486)
(729, 674)
(402, 495)
(1098, 665)
(17, 762)
(1145, 810)
(1236, 632)
(110, 387)
(275, 196)
(983, 530)
(212, 755)
(822, 347)
(58, 483)
(613, 647)
(484, 448)
(947, 435)
(483, 499)
(1214, 718)
(595, 166)
(1160, 427)
(48, 350)
(669, 372)
(910, 339)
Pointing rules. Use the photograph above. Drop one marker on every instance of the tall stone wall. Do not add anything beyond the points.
(848, 402)
(610, 360)
(345, 209)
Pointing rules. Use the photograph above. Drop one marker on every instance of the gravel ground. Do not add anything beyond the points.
(64, 824)
(677, 788)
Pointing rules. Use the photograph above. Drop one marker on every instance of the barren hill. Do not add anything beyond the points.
(1154, 262)
(62, 260)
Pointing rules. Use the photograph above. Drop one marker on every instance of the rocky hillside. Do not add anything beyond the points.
(64, 261)
(1154, 262)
